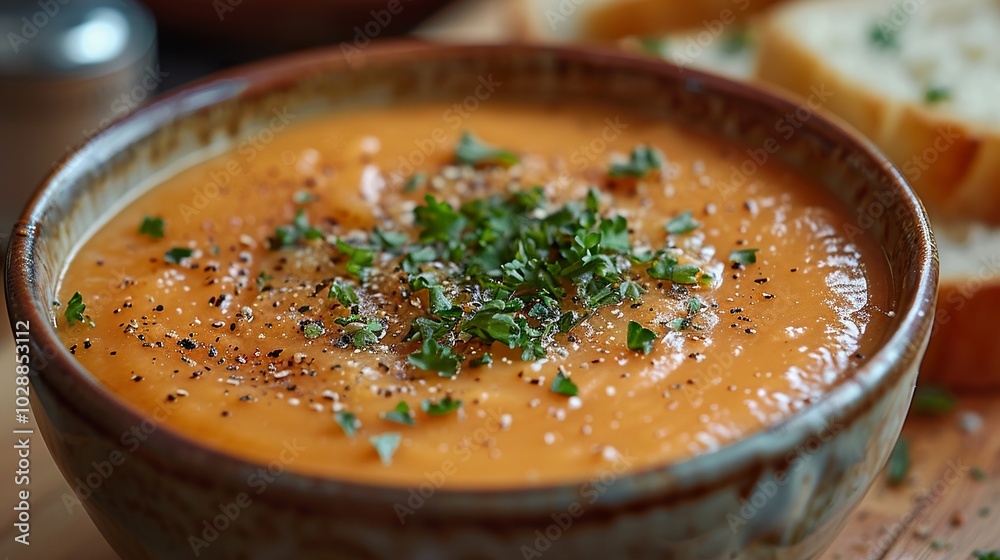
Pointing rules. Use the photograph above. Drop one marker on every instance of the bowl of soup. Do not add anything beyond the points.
(472, 302)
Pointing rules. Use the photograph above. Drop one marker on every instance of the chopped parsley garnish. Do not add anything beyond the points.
(348, 422)
(263, 280)
(883, 37)
(484, 360)
(416, 181)
(641, 163)
(640, 339)
(400, 415)
(290, 235)
(343, 292)
(683, 223)
(736, 42)
(929, 400)
(358, 258)
(75, 309)
(151, 226)
(744, 256)
(978, 474)
(313, 330)
(899, 462)
(177, 254)
(564, 386)
(666, 268)
(694, 306)
(472, 151)
(364, 333)
(434, 357)
(937, 94)
(304, 197)
(386, 445)
(653, 45)
(446, 405)
(388, 239)
(980, 555)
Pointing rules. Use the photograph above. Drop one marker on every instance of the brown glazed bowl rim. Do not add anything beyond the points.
(183, 455)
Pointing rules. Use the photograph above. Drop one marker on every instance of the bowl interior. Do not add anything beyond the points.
(213, 117)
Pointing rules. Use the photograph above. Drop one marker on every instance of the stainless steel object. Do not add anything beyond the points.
(68, 68)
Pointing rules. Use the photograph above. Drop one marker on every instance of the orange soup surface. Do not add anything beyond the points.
(526, 297)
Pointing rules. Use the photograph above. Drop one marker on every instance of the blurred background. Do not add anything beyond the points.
(69, 68)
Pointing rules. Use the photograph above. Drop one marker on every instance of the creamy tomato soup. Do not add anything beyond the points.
(528, 298)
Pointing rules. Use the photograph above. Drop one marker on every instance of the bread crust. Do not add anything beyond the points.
(953, 165)
(964, 353)
(616, 19)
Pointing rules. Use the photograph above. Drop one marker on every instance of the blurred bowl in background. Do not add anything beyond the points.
(282, 24)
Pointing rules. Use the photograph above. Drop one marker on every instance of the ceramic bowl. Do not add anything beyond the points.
(782, 493)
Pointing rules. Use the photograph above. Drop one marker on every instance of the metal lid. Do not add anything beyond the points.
(72, 38)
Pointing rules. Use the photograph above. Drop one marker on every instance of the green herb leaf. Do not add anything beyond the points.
(434, 357)
(899, 462)
(564, 386)
(883, 37)
(290, 235)
(484, 360)
(303, 197)
(442, 407)
(367, 334)
(640, 339)
(683, 223)
(343, 292)
(680, 324)
(981, 555)
(177, 254)
(348, 422)
(930, 400)
(472, 151)
(262, 281)
(937, 94)
(151, 226)
(440, 222)
(313, 330)
(400, 415)
(388, 239)
(694, 306)
(655, 46)
(736, 42)
(386, 445)
(642, 161)
(417, 180)
(744, 256)
(666, 268)
(75, 309)
(358, 259)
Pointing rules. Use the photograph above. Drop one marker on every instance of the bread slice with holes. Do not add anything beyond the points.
(921, 78)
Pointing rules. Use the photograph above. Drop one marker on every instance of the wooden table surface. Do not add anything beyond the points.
(947, 507)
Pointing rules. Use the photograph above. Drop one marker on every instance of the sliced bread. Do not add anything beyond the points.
(919, 77)
(610, 20)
